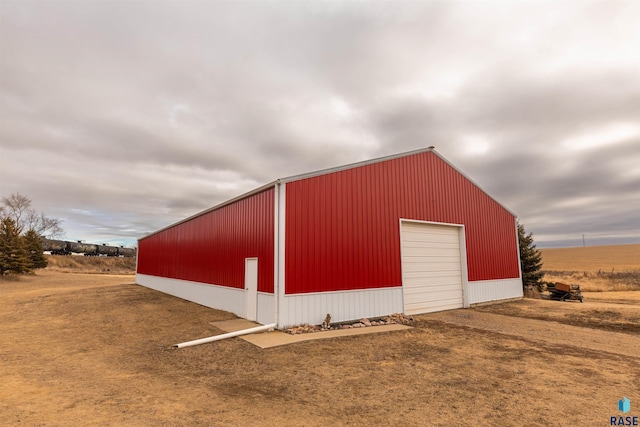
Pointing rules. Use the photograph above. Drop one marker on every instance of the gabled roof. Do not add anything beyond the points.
(384, 159)
(325, 172)
(354, 165)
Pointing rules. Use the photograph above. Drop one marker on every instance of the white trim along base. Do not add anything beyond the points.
(494, 290)
(312, 308)
(213, 296)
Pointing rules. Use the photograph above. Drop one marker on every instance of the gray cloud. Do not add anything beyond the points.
(122, 117)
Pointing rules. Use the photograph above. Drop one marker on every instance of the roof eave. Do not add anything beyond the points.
(216, 207)
(441, 157)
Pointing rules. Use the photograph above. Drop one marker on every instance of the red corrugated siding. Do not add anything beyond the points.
(342, 228)
(211, 248)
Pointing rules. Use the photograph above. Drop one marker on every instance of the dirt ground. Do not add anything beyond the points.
(89, 349)
(608, 311)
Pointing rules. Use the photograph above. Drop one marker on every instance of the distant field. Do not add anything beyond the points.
(594, 268)
(592, 258)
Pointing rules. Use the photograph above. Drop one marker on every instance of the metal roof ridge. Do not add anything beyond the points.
(327, 171)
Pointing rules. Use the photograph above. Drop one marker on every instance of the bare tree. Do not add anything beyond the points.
(45, 226)
(18, 208)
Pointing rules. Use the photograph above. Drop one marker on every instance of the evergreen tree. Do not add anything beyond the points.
(530, 259)
(33, 246)
(13, 257)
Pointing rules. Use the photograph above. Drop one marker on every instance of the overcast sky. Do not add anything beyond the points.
(121, 117)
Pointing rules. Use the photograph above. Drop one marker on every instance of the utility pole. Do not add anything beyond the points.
(583, 245)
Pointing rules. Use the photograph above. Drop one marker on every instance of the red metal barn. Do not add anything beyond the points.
(404, 233)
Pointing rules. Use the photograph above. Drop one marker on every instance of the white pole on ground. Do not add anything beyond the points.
(227, 335)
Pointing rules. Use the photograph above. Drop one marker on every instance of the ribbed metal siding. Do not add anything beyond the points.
(342, 228)
(211, 248)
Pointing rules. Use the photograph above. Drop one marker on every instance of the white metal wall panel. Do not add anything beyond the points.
(494, 290)
(431, 267)
(218, 297)
(266, 308)
(312, 308)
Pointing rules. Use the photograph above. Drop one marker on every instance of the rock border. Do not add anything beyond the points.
(396, 318)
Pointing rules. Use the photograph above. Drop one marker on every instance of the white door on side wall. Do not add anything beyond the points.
(251, 287)
(431, 267)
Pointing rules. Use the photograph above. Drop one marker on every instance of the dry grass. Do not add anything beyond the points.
(9, 278)
(594, 268)
(597, 281)
(592, 258)
(91, 265)
(607, 314)
(81, 349)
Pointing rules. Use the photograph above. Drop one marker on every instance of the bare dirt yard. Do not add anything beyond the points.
(94, 349)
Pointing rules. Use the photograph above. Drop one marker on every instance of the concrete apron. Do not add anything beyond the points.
(278, 338)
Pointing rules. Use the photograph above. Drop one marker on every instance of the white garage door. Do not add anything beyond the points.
(431, 267)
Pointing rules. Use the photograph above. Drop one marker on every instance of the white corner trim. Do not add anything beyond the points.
(280, 254)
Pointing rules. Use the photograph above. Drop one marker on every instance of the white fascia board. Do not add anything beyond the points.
(515, 221)
(473, 182)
